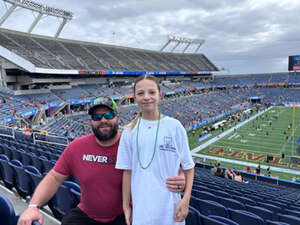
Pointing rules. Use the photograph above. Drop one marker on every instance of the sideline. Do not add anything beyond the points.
(215, 139)
(272, 168)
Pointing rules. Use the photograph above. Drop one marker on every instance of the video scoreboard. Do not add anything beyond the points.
(294, 63)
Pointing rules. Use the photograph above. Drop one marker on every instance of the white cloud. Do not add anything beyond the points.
(244, 36)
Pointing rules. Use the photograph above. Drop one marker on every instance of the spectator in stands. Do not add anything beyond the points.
(91, 159)
(258, 169)
(248, 169)
(238, 177)
(214, 169)
(154, 145)
(268, 171)
(220, 172)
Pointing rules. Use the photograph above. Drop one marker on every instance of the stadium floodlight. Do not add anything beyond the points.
(41, 9)
(182, 40)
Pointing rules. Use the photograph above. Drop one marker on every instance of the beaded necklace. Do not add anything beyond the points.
(137, 143)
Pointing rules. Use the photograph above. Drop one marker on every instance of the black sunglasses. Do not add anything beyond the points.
(107, 115)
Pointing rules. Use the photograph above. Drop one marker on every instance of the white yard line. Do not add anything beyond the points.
(213, 140)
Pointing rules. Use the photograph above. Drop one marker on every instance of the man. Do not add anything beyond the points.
(91, 159)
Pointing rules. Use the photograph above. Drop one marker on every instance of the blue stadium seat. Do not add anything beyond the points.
(244, 200)
(291, 212)
(47, 164)
(245, 217)
(23, 180)
(194, 217)
(8, 174)
(288, 219)
(17, 154)
(27, 158)
(34, 175)
(223, 219)
(204, 195)
(7, 212)
(206, 220)
(8, 152)
(262, 212)
(276, 203)
(220, 193)
(271, 207)
(37, 163)
(231, 203)
(270, 222)
(63, 201)
(207, 207)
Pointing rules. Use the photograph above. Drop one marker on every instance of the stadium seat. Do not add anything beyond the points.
(27, 158)
(24, 182)
(270, 222)
(206, 220)
(34, 175)
(207, 207)
(271, 207)
(194, 217)
(244, 200)
(8, 152)
(288, 219)
(262, 212)
(223, 219)
(17, 154)
(291, 212)
(37, 163)
(244, 217)
(220, 193)
(231, 203)
(204, 195)
(47, 164)
(63, 201)
(8, 174)
(7, 212)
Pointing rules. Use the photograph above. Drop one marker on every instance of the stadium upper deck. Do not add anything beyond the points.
(55, 53)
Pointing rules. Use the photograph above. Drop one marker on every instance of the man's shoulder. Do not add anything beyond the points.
(82, 140)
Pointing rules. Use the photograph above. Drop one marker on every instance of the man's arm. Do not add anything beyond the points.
(42, 194)
(177, 183)
(126, 193)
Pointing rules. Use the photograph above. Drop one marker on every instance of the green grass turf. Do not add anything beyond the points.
(253, 138)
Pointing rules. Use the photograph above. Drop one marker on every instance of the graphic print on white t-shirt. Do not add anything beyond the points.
(168, 145)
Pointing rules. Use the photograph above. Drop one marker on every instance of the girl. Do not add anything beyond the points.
(152, 148)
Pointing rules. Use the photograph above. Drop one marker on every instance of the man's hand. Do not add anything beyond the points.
(177, 183)
(29, 215)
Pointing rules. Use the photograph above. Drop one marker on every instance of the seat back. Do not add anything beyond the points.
(244, 217)
(194, 217)
(7, 212)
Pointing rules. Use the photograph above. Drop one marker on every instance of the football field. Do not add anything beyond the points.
(270, 134)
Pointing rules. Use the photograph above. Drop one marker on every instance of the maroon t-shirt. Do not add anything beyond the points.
(101, 184)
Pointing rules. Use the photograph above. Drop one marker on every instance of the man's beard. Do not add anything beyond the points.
(105, 137)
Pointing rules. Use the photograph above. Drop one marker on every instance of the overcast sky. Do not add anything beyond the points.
(242, 36)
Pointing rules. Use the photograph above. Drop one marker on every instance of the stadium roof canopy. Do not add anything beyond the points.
(42, 54)
(41, 9)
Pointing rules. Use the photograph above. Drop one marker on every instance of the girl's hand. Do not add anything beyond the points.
(181, 211)
(128, 215)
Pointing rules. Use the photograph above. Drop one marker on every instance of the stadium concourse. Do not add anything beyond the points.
(48, 84)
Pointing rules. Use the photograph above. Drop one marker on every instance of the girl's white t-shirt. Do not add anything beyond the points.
(153, 203)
